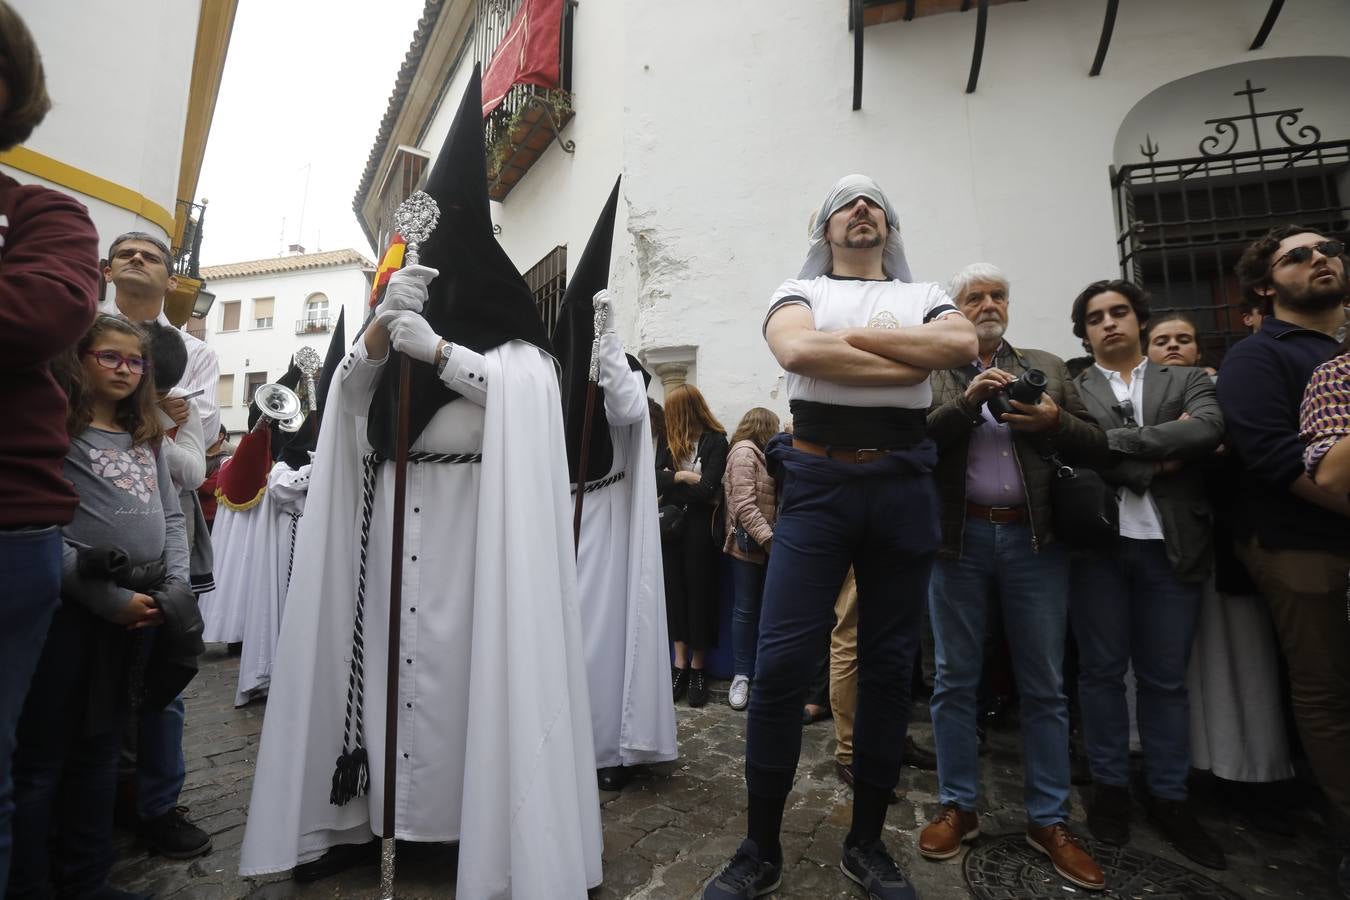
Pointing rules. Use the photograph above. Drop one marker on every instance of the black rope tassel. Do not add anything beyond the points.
(351, 775)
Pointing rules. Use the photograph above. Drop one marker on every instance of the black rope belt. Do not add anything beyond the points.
(290, 563)
(593, 486)
(352, 775)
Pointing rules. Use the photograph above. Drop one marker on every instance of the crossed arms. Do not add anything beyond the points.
(868, 356)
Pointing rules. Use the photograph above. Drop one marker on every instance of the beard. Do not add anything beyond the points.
(990, 330)
(1314, 298)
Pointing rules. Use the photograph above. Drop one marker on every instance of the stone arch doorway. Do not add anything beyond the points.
(1207, 163)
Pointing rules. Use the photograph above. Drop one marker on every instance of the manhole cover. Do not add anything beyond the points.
(1005, 868)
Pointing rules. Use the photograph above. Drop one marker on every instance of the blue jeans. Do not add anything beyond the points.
(65, 768)
(997, 565)
(1130, 606)
(748, 580)
(30, 586)
(160, 768)
(881, 518)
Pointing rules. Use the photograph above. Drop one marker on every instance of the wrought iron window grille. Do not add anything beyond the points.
(1183, 222)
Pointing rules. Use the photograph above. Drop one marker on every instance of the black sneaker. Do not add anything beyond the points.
(746, 876)
(172, 835)
(1183, 831)
(1108, 816)
(679, 680)
(871, 867)
(698, 687)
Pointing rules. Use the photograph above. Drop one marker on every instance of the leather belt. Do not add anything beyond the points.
(841, 454)
(998, 515)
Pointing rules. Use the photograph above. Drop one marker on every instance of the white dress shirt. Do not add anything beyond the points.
(1138, 513)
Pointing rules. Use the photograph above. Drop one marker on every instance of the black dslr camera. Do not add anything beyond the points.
(1026, 389)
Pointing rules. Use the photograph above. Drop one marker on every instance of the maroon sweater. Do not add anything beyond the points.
(48, 298)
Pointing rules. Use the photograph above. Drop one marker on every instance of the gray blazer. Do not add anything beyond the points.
(1169, 391)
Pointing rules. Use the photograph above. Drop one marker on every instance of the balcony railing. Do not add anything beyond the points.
(186, 255)
(529, 118)
(313, 325)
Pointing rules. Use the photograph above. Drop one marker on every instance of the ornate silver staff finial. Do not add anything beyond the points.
(601, 316)
(307, 360)
(415, 219)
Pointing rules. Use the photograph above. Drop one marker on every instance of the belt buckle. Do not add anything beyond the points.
(858, 454)
(998, 511)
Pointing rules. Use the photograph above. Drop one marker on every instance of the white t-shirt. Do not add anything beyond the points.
(838, 303)
(1138, 513)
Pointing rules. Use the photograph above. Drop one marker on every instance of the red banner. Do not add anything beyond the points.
(528, 53)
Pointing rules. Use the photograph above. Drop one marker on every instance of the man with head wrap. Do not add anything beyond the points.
(858, 341)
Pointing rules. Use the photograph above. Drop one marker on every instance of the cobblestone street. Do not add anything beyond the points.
(665, 834)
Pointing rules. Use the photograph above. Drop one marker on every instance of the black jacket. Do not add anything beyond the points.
(712, 450)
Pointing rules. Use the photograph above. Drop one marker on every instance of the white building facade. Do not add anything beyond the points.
(729, 122)
(267, 309)
(133, 87)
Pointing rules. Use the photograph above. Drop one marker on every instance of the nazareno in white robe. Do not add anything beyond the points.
(494, 735)
(231, 543)
(272, 558)
(621, 586)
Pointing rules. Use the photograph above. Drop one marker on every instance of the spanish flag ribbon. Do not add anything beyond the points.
(390, 263)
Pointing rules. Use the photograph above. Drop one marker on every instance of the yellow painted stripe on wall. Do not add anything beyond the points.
(89, 184)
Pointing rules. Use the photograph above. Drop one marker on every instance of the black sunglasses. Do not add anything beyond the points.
(1329, 249)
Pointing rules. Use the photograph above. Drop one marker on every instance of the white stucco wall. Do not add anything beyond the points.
(118, 75)
(270, 350)
(728, 149)
(730, 122)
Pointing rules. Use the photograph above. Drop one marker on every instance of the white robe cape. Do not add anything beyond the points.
(621, 585)
(494, 736)
(231, 544)
(271, 555)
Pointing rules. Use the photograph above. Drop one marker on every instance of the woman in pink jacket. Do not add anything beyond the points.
(751, 508)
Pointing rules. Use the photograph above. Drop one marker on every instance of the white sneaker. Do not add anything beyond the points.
(739, 695)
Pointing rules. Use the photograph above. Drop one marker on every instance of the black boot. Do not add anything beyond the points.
(698, 688)
(1108, 816)
(338, 858)
(1178, 825)
(680, 681)
(613, 778)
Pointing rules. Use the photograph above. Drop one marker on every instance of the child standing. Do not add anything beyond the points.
(125, 561)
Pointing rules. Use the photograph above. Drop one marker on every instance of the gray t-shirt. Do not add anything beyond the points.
(122, 506)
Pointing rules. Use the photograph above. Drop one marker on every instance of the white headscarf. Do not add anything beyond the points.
(820, 259)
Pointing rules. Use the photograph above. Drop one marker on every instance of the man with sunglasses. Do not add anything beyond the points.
(1138, 600)
(1293, 535)
(140, 269)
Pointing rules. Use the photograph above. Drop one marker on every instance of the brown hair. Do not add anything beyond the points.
(687, 418)
(1253, 267)
(136, 413)
(658, 417)
(21, 70)
(757, 425)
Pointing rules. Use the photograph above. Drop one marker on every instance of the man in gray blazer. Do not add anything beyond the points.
(1140, 600)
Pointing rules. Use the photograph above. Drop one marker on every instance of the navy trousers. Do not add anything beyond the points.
(882, 519)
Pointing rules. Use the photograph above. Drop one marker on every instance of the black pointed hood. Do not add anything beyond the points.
(572, 338)
(479, 299)
(337, 348)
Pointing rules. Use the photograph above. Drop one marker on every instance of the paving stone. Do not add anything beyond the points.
(667, 833)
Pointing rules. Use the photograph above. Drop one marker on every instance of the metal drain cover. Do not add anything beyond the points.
(1006, 868)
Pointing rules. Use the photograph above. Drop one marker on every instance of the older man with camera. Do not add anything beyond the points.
(995, 423)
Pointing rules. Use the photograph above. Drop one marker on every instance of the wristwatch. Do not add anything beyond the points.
(444, 358)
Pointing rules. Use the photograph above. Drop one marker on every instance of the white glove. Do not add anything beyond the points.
(407, 289)
(603, 302)
(412, 335)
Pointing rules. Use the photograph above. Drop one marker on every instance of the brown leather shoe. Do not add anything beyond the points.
(942, 838)
(1067, 855)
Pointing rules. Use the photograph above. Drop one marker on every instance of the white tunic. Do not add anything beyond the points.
(272, 554)
(494, 742)
(223, 609)
(622, 591)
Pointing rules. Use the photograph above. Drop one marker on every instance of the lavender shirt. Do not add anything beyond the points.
(992, 475)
